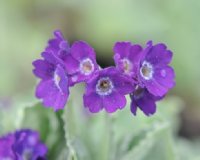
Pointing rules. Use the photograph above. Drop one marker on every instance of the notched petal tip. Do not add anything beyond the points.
(36, 62)
(122, 48)
(83, 44)
(136, 48)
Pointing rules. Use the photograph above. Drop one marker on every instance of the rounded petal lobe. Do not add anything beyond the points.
(81, 50)
(43, 69)
(123, 84)
(52, 58)
(159, 55)
(122, 49)
(93, 102)
(165, 76)
(71, 65)
(155, 88)
(57, 44)
(113, 102)
(147, 104)
(51, 95)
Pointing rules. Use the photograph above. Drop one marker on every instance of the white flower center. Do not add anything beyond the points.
(146, 70)
(127, 65)
(57, 79)
(104, 86)
(86, 66)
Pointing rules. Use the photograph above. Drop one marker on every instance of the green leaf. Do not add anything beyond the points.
(187, 149)
(73, 119)
(87, 135)
(154, 144)
(118, 135)
(129, 131)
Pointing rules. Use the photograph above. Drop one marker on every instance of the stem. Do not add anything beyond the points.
(111, 146)
(69, 128)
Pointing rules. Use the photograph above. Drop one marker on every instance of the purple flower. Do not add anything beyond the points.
(53, 88)
(150, 69)
(154, 71)
(127, 57)
(6, 151)
(23, 144)
(80, 59)
(81, 63)
(62, 67)
(144, 100)
(28, 146)
(58, 45)
(107, 89)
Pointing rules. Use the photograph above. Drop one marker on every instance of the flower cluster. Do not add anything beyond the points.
(22, 145)
(142, 73)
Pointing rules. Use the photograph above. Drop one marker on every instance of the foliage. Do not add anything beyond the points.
(77, 134)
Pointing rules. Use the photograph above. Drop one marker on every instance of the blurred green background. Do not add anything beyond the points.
(27, 25)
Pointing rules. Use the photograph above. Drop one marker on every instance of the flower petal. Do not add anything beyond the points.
(81, 50)
(71, 64)
(165, 76)
(52, 58)
(162, 81)
(6, 144)
(135, 57)
(147, 104)
(113, 102)
(123, 84)
(57, 44)
(155, 88)
(51, 95)
(135, 53)
(29, 140)
(43, 69)
(93, 102)
(122, 49)
(133, 105)
(159, 55)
